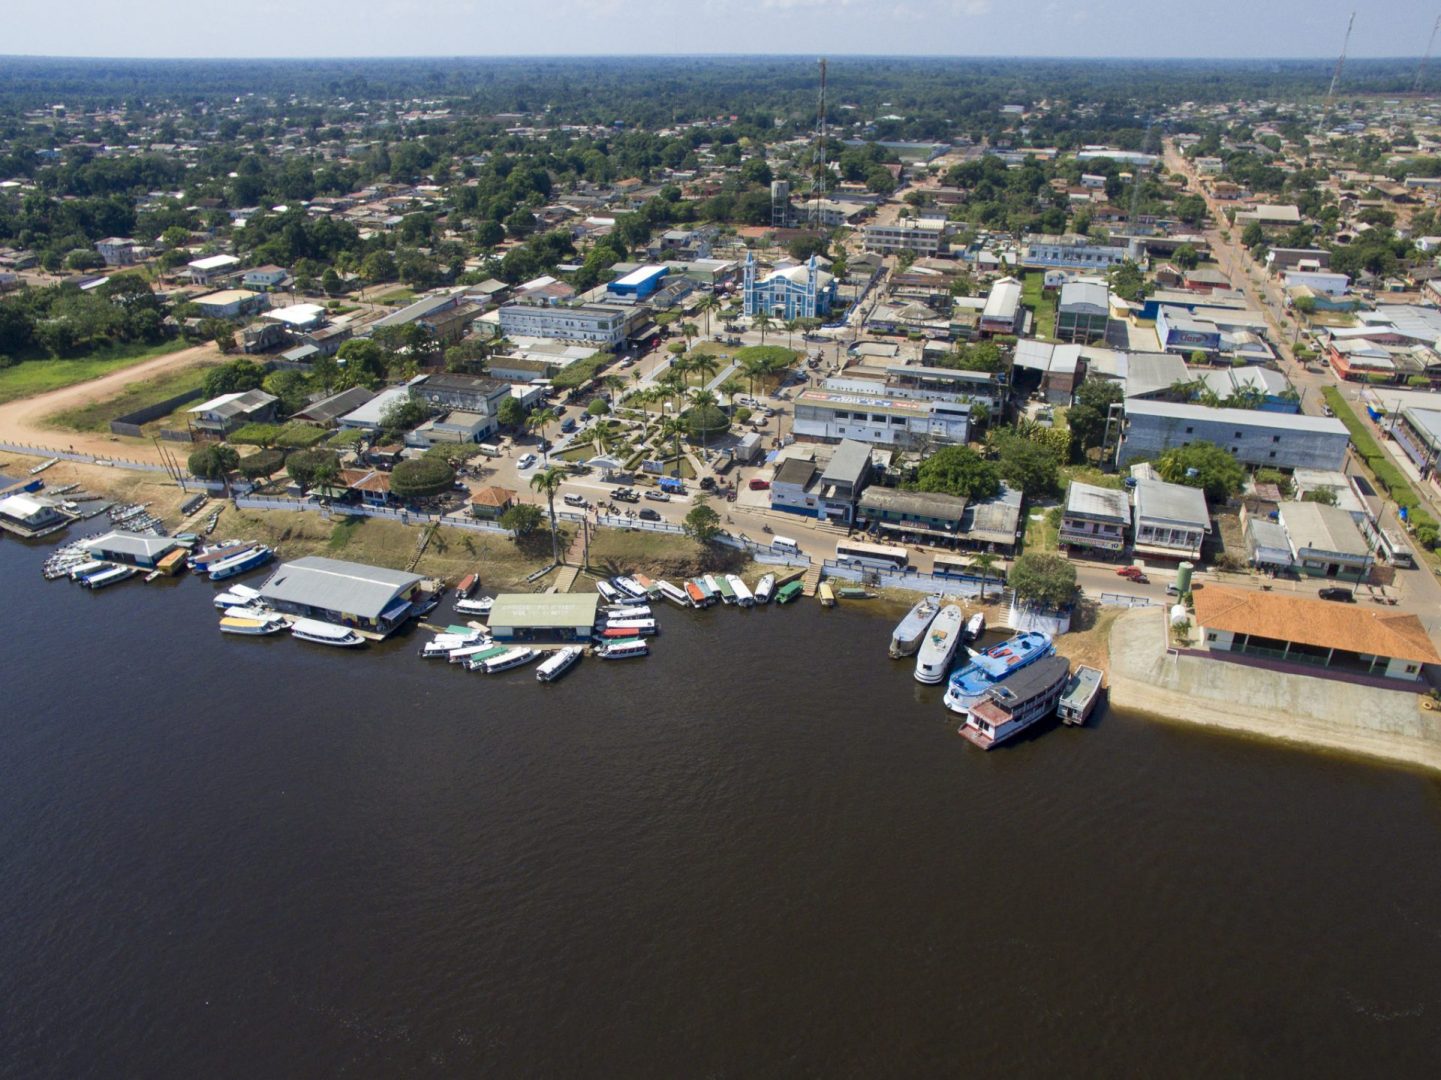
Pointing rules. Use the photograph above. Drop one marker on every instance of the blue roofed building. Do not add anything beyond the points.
(638, 284)
(792, 292)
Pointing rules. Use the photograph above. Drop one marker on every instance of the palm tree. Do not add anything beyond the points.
(689, 331)
(548, 480)
(674, 385)
(983, 564)
(705, 365)
(700, 400)
(730, 388)
(791, 325)
(762, 322)
(753, 369)
(613, 384)
(682, 366)
(535, 423)
(706, 306)
(673, 427)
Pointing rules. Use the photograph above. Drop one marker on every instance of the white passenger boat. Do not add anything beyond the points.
(673, 593)
(558, 663)
(643, 627)
(633, 611)
(481, 605)
(232, 624)
(112, 575)
(906, 637)
(1014, 705)
(938, 646)
(85, 569)
(511, 658)
(464, 653)
(249, 611)
(622, 650)
(236, 595)
(609, 592)
(445, 644)
(975, 626)
(240, 564)
(630, 586)
(765, 588)
(1080, 694)
(744, 597)
(324, 633)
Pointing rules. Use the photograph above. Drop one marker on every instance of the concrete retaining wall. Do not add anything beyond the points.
(129, 424)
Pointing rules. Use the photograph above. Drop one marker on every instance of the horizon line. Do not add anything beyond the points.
(709, 55)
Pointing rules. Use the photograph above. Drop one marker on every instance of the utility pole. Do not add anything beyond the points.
(818, 157)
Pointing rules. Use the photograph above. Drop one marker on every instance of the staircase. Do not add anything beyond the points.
(811, 580)
(565, 579)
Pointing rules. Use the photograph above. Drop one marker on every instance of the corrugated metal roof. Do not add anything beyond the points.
(543, 610)
(335, 585)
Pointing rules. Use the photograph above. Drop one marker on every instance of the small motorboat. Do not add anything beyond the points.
(558, 663)
(623, 650)
(324, 633)
(765, 588)
(466, 586)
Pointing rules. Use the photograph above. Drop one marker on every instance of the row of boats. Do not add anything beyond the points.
(1000, 690)
(699, 592)
(244, 613)
(474, 649)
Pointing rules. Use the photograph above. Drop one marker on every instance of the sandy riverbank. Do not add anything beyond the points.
(1298, 709)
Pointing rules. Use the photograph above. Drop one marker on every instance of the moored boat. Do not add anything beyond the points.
(609, 592)
(906, 637)
(826, 594)
(673, 593)
(558, 663)
(479, 606)
(111, 575)
(650, 585)
(1080, 694)
(723, 587)
(172, 562)
(630, 586)
(1016, 704)
(511, 658)
(234, 624)
(83, 570)
(643, 627)
(622, 650)
(765, 588)
(240, 564)
(854, 592)
(993, 666)
(938, 645)
(708, 590)
(324, 633)
(475, 658)
(791, 590)
(445, 644)
(236, 595)
(466, 586)
(202, 561)
(632, 611)
(976, 626)
(744, 597)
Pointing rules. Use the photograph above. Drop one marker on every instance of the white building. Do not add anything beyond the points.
(918, 237)
(1073, 252)
(598, 323)
(880, 419)
(212, 267)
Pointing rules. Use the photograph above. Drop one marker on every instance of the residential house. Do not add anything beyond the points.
(489, 503)
(1170, 520)
(328, 410)
(213, 268)
(265, 278)
(224, 414)
(117, 250)
(1095, 518)
(1325, 542)
(230, 304)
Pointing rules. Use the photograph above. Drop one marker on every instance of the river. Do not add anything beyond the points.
(761, 852)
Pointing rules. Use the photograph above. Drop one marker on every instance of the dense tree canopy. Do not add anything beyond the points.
(958, 470)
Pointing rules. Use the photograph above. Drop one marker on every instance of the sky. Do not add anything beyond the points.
(1068, 28)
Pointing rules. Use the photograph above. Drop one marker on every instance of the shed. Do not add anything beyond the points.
(544, 617)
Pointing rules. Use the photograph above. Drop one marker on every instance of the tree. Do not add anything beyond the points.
(522, 519)
(958, 470)
(421, 477)
(705, 418)
(233, 378)
(1027, 465)
(702, 524)
(291, 387)
(1186, 257)
(1203, 465)
(510, 413)
(361, 363)
(1253, 236)
(312, 468)
(548, 481)
(212, 462)
(1089, 414)
(1043, 579)
(401, 416)
(983, 564)
(762, 322)
(597, 407)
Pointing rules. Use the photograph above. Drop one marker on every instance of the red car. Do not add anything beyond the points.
(1130, 571)
(757, 484)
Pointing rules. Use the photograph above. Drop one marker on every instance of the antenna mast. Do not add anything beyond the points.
(818, 160)
(1340, 63)
(1421, 67)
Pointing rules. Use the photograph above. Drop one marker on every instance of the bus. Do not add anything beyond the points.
(952, 566)
(855, 553)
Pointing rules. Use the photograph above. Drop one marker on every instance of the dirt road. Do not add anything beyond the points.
(22, 421)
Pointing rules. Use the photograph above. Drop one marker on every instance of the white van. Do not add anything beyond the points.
(490, 449)
(786, 544)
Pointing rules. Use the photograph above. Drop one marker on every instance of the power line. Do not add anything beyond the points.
(1421, 67)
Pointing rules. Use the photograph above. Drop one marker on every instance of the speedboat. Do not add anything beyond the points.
(976, 626)
(906, 637)
(939, 645)
(558, 663)
(765, 588)
(324, 633)
(994, 666)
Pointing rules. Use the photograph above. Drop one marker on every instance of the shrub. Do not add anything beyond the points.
(421, 477)
(265, 463)
(212, 462)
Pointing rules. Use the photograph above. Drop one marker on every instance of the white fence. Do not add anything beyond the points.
(87, 459)
(913, 580)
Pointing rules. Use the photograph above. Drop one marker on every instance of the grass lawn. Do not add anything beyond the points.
(398, 296)
(31, 377)
(1089, 474)
(97, 416)
(1043, 529)
(1042, 303)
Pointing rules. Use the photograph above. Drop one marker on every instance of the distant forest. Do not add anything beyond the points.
(650, 92)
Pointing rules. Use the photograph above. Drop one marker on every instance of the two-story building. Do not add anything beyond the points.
(1083, 311)
(1169, 520)
(1095, 518)
(878, 418)
(1253, 437)
(605, 325)
(792, 292)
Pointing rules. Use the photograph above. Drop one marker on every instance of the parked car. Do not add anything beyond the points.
(657, 496)
(558, 411)
(1132, 572)
(759, 483)
(707, 483)
(647, 514)
(572, 499)
(525, 461)
(1342, 596)
(625, 495)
